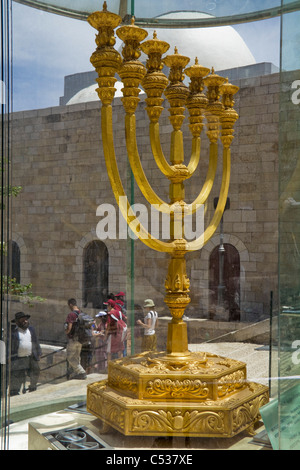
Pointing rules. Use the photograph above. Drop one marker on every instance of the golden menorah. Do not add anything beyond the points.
(138, 376)
(220, 117)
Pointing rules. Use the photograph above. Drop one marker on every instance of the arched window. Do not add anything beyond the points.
(224, 284)
(14, 260)
(95, 269)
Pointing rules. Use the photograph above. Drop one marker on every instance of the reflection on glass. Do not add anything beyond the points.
(143, 9)
(39, 75)
(289, 254)
(56, 156)
(291, 42)
(6, 191)
(216, 8)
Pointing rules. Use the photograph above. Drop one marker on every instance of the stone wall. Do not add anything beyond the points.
(58, 161)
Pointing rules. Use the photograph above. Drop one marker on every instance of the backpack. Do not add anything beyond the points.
(154, 316)
(124, 329)
(121, 325)
(82, 328)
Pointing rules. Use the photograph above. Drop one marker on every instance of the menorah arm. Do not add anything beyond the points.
(137, 168)
(157, 151)
(214, 223)
(195, 157)
(209, 181)
(117, 186)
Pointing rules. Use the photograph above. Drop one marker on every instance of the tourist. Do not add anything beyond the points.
(25, 355)
(121, 296)
(74, 347)
(114, 332)
(100, 344)
(149, 324)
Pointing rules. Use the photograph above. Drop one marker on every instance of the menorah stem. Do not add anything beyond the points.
(177, 298)
(177, 339)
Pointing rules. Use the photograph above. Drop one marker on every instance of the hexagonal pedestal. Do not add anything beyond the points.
(201, 395)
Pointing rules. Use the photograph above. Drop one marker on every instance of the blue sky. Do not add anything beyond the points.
(46, 47)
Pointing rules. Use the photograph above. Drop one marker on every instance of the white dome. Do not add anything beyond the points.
(220, 47)
(85, 95)
(89, 94)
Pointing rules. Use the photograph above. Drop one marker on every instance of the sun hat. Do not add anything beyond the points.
(101, 314)
(149, 303)
(110, 302)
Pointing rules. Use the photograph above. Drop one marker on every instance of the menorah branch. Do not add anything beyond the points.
(136, 166)
(197, 244)
(117, 186)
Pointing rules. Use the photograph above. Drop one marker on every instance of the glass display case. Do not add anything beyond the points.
(66, 236)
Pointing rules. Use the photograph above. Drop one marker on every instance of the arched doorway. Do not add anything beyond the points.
(226, 293)
(95, 271)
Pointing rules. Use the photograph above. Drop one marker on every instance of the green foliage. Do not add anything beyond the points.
(19, 291)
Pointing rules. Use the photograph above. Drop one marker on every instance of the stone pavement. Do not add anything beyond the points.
(48, 405)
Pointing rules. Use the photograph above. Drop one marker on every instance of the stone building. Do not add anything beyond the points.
(58, 161)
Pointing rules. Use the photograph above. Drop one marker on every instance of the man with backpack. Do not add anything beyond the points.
(74, 346)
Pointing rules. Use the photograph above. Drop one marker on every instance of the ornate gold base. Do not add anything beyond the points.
(200, 395)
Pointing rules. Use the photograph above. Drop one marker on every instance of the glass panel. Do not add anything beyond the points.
(170, 12)
(289, 326)
(5, 227)
(69, 240)
(41, 82)
(39, 78)
(79, 9)
(194, 9)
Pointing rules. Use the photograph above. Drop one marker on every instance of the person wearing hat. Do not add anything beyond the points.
(100, 358)
(114, 332)
(110, 303)
(150, 323)
(115, 305)
(120, 306)
(74, 347)
(120, 295)
(25, 354)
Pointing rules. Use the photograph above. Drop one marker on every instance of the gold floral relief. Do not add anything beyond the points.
(231, 382)
(178, 421)
(123, 381)
(179, 389)
(246, 414)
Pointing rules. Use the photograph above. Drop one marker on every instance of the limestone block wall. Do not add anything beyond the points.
(58, 161)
